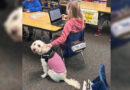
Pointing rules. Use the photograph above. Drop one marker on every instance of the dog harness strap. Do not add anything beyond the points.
(48, 55)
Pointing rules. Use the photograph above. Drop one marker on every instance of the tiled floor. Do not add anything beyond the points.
(10, 63)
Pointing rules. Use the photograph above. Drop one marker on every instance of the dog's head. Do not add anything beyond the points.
(13, 25)
(39, 47)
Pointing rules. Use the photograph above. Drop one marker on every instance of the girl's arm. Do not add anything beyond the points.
(66, 31)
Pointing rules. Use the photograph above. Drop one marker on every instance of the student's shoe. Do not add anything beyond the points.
(98, 33)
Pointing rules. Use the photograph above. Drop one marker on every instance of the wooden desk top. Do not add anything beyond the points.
(42, 22)
(94, 6)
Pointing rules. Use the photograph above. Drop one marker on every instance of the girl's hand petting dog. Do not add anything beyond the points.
(49, 45)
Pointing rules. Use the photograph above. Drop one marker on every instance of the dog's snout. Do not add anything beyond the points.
(14, 32)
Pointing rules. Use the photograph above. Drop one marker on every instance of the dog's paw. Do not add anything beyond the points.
(44, 75)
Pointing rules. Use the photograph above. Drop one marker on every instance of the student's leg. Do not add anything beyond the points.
(27, 33)
(100, 22)
(56, 76)
(102, 18)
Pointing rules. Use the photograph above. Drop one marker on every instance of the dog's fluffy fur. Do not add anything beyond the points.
(13, 25)
(40, 48)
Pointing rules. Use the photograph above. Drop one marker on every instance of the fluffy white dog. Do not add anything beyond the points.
(52, 64)
(13, 25)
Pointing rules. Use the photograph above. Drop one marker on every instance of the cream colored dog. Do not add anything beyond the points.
(13, 25)
(40, 48)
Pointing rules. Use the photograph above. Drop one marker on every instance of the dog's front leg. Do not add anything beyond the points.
(45, 67)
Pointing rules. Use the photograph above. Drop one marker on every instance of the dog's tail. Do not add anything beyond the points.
(73, 83)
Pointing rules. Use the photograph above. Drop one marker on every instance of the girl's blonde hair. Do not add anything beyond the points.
(74, 11)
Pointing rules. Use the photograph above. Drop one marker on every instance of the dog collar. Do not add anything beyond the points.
(48, 55)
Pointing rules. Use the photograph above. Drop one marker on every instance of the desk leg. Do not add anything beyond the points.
(30, 32)
(50, 35)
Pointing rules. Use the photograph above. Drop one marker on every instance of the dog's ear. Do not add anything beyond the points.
(45, 39)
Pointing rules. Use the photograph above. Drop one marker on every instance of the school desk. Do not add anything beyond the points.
(39, 20)
(42, 22)
(93, 6)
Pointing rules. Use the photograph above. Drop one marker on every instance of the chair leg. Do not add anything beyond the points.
(83, 57)
(34, 33)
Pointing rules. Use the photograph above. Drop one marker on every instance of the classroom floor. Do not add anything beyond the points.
(96, 53)
(120, 67)
(10, 63)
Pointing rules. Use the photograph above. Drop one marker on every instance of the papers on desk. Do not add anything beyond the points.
(121, 27)
(37, 15)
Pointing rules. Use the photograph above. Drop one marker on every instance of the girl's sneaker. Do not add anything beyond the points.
(98, 33)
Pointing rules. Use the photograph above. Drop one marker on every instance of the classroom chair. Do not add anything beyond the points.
(73, 37)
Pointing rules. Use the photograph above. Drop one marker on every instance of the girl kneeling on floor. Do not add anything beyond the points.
(74, 24)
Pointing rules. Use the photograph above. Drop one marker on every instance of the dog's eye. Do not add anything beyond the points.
(34, 44)
(15, 17)
(39, 46)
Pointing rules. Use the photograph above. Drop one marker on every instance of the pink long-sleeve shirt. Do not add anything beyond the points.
(73, 25)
